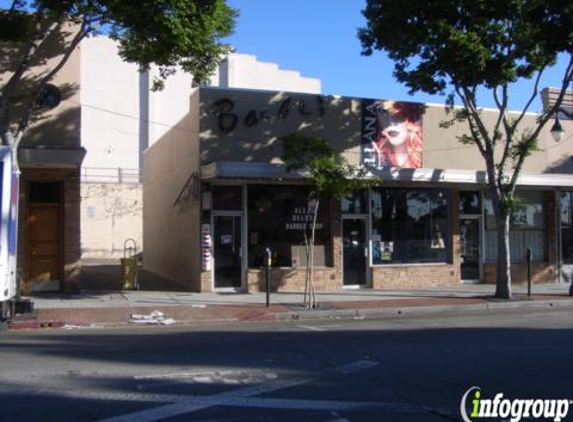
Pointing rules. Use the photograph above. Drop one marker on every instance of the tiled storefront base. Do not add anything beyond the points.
(394, 277)
(414, 276)
(541, 272)
(293, 280)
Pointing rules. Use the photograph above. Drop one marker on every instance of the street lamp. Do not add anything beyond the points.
(557, 130)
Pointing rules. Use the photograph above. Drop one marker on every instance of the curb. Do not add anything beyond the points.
(417, 310)
(305, 315)
(35, 325)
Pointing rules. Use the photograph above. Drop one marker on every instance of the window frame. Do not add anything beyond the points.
(523, 232)
(448, 227)
(325, 206)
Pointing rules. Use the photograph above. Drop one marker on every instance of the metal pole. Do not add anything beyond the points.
(528, 260)
(268, 274)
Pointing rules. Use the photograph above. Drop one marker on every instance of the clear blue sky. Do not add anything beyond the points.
(318, 38)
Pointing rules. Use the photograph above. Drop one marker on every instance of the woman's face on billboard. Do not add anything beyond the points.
(392, 129)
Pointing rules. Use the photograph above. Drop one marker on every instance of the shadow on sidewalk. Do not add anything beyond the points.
(107, 277)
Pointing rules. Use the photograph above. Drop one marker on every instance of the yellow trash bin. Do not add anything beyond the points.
(129, 265)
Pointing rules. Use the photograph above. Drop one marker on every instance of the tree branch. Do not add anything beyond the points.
(37, 40)
(469, 104)
(487, 150)
(508, 137)
(510, 130)
(475, 134)
(501, 106)
(468, 98)
(24, 120)
(544, 119)
(530, 101)
(557, 104)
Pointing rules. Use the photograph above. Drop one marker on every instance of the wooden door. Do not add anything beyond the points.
(44, 248)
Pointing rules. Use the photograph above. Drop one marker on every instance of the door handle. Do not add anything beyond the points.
(365, 251)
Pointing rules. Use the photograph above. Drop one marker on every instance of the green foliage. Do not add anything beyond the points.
(524, 147)
(329, 173)
(469, 42)
(167, 33)
(458, 47)
(510, 202)
(14, 27)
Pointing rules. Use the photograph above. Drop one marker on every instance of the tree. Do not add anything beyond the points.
(461, 46)
(167, 33)
(330, 177)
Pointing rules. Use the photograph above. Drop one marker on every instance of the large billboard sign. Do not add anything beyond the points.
(392, 134)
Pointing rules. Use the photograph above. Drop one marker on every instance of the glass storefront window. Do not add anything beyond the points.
(355, 204)
(470, 202)
(227, 198)
(566, 215)
(409, 225)
(277, 218)
(527, 228)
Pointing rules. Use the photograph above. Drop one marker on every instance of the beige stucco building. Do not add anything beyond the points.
(50, 156)
(81, 191)
(121, 116)
(216, 194)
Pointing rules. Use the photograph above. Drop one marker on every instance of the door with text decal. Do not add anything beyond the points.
(354, 251)
(228, 251)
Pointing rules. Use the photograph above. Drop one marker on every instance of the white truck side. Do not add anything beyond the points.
(9, 196)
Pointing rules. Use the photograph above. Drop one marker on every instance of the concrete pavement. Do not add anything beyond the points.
(371, 370)
(100, 309)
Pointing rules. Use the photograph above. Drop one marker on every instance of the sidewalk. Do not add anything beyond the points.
(102, 309)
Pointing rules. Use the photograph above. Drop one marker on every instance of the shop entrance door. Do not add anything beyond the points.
(44, 248)
(228, 251)
(470, 249)
(44, 237)
(354, 252)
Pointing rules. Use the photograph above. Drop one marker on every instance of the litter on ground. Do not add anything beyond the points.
(153, 318)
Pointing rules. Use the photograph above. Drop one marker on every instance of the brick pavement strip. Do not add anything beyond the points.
(60, 317)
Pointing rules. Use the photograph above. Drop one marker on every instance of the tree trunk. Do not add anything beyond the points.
(307, 272)
(5, 134)
(503, 283)
(313, 230)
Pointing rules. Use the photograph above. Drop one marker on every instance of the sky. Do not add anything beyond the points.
(318, 38)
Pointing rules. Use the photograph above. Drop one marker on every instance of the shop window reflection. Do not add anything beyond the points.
(409, 225)
(277, 216)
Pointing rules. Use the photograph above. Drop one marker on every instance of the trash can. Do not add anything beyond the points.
(129, 265)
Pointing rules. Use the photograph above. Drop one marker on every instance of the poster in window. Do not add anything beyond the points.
(382, 251)
(437, 238)
(392, 134)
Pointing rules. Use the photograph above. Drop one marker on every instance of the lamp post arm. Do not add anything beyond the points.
(565, 112)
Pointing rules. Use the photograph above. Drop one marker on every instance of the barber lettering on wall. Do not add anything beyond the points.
(399, 140)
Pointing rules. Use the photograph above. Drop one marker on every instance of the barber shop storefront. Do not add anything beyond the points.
(217, 197)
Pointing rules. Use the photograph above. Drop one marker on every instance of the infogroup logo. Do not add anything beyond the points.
(515, 409)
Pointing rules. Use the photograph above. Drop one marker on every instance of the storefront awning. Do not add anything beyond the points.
(247, 170)
(272, 171)
(51, 157)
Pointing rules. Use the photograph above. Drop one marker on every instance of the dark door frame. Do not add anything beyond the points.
(243, 251)
(367, 261)
(481, 234)
(61, 241)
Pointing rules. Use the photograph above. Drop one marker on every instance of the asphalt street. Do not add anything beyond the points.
(407, 368)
